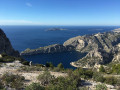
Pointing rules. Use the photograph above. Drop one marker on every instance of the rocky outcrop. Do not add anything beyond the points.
(5, 45)
(94, 57)
(86, 43)
(55, 48)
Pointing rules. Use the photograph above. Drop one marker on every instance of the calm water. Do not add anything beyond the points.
(23, 37)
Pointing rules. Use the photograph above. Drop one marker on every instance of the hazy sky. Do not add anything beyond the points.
(59, 12)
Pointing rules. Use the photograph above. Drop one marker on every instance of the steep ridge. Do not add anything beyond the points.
(5, 45)
(55, 48)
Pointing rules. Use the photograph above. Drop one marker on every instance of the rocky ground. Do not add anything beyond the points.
(29, 76)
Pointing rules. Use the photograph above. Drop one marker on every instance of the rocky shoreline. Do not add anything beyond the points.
(55, 48)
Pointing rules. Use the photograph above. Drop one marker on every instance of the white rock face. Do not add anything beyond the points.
(0, 56)
(116, 30)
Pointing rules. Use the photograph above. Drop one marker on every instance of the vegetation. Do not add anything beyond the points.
(49, 64)
(45, 78)
(13, 81)
(101, 69)
(34, 86)
(6, 58)
(116, 69)
(101, 87)
(48, 82)
(98, 77)
(62, 83)
(1, 85)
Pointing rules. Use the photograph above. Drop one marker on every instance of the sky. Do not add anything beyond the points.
(60, 12)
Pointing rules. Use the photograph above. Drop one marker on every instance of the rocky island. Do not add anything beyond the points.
(56, 29)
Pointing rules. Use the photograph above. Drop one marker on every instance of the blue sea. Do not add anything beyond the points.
(23, 37)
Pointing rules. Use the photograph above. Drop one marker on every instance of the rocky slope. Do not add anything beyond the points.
(55, 48)
(5, 45)
(86, 43)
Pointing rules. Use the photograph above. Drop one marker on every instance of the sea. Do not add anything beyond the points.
(33, 37)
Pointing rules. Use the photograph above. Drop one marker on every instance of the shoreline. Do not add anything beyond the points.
(72, 64)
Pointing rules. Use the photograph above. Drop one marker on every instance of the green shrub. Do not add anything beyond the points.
(111, 80)
(14, 81)
(86, 74)
(62, 83)
(101, 87)
(49, 64)
(60, 66)
(30, 68)
(45, 78)
(25, 63)
(98, 77)
(116, 69)
(101, 69)
(34, 86)
(1, 85)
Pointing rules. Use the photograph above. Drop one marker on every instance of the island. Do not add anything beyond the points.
(56, 29)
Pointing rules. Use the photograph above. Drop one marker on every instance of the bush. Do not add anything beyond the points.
(1, 85)
(116, 69)
(101, 87)
(101, 69)
(60, 66)
(32, 68)
(34, 86)
(14, 81)
(45, 78)
(98, 77)
(86, 74)
(49, 64)
(62, 83)
(25, 63)
(111, 80)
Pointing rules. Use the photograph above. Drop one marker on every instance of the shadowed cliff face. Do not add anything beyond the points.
(5, 45)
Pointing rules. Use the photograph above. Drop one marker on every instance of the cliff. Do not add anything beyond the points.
(87, 43)
(5, 45)
(55, 48)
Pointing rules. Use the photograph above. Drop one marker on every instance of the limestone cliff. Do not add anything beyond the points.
(5, 45)
(55, 48)
(87, 43)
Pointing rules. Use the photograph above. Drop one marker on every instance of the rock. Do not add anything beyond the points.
(5, 45)
(55, 48)
(87, 43)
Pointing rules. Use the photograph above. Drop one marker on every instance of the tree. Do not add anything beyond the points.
(34, 86)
